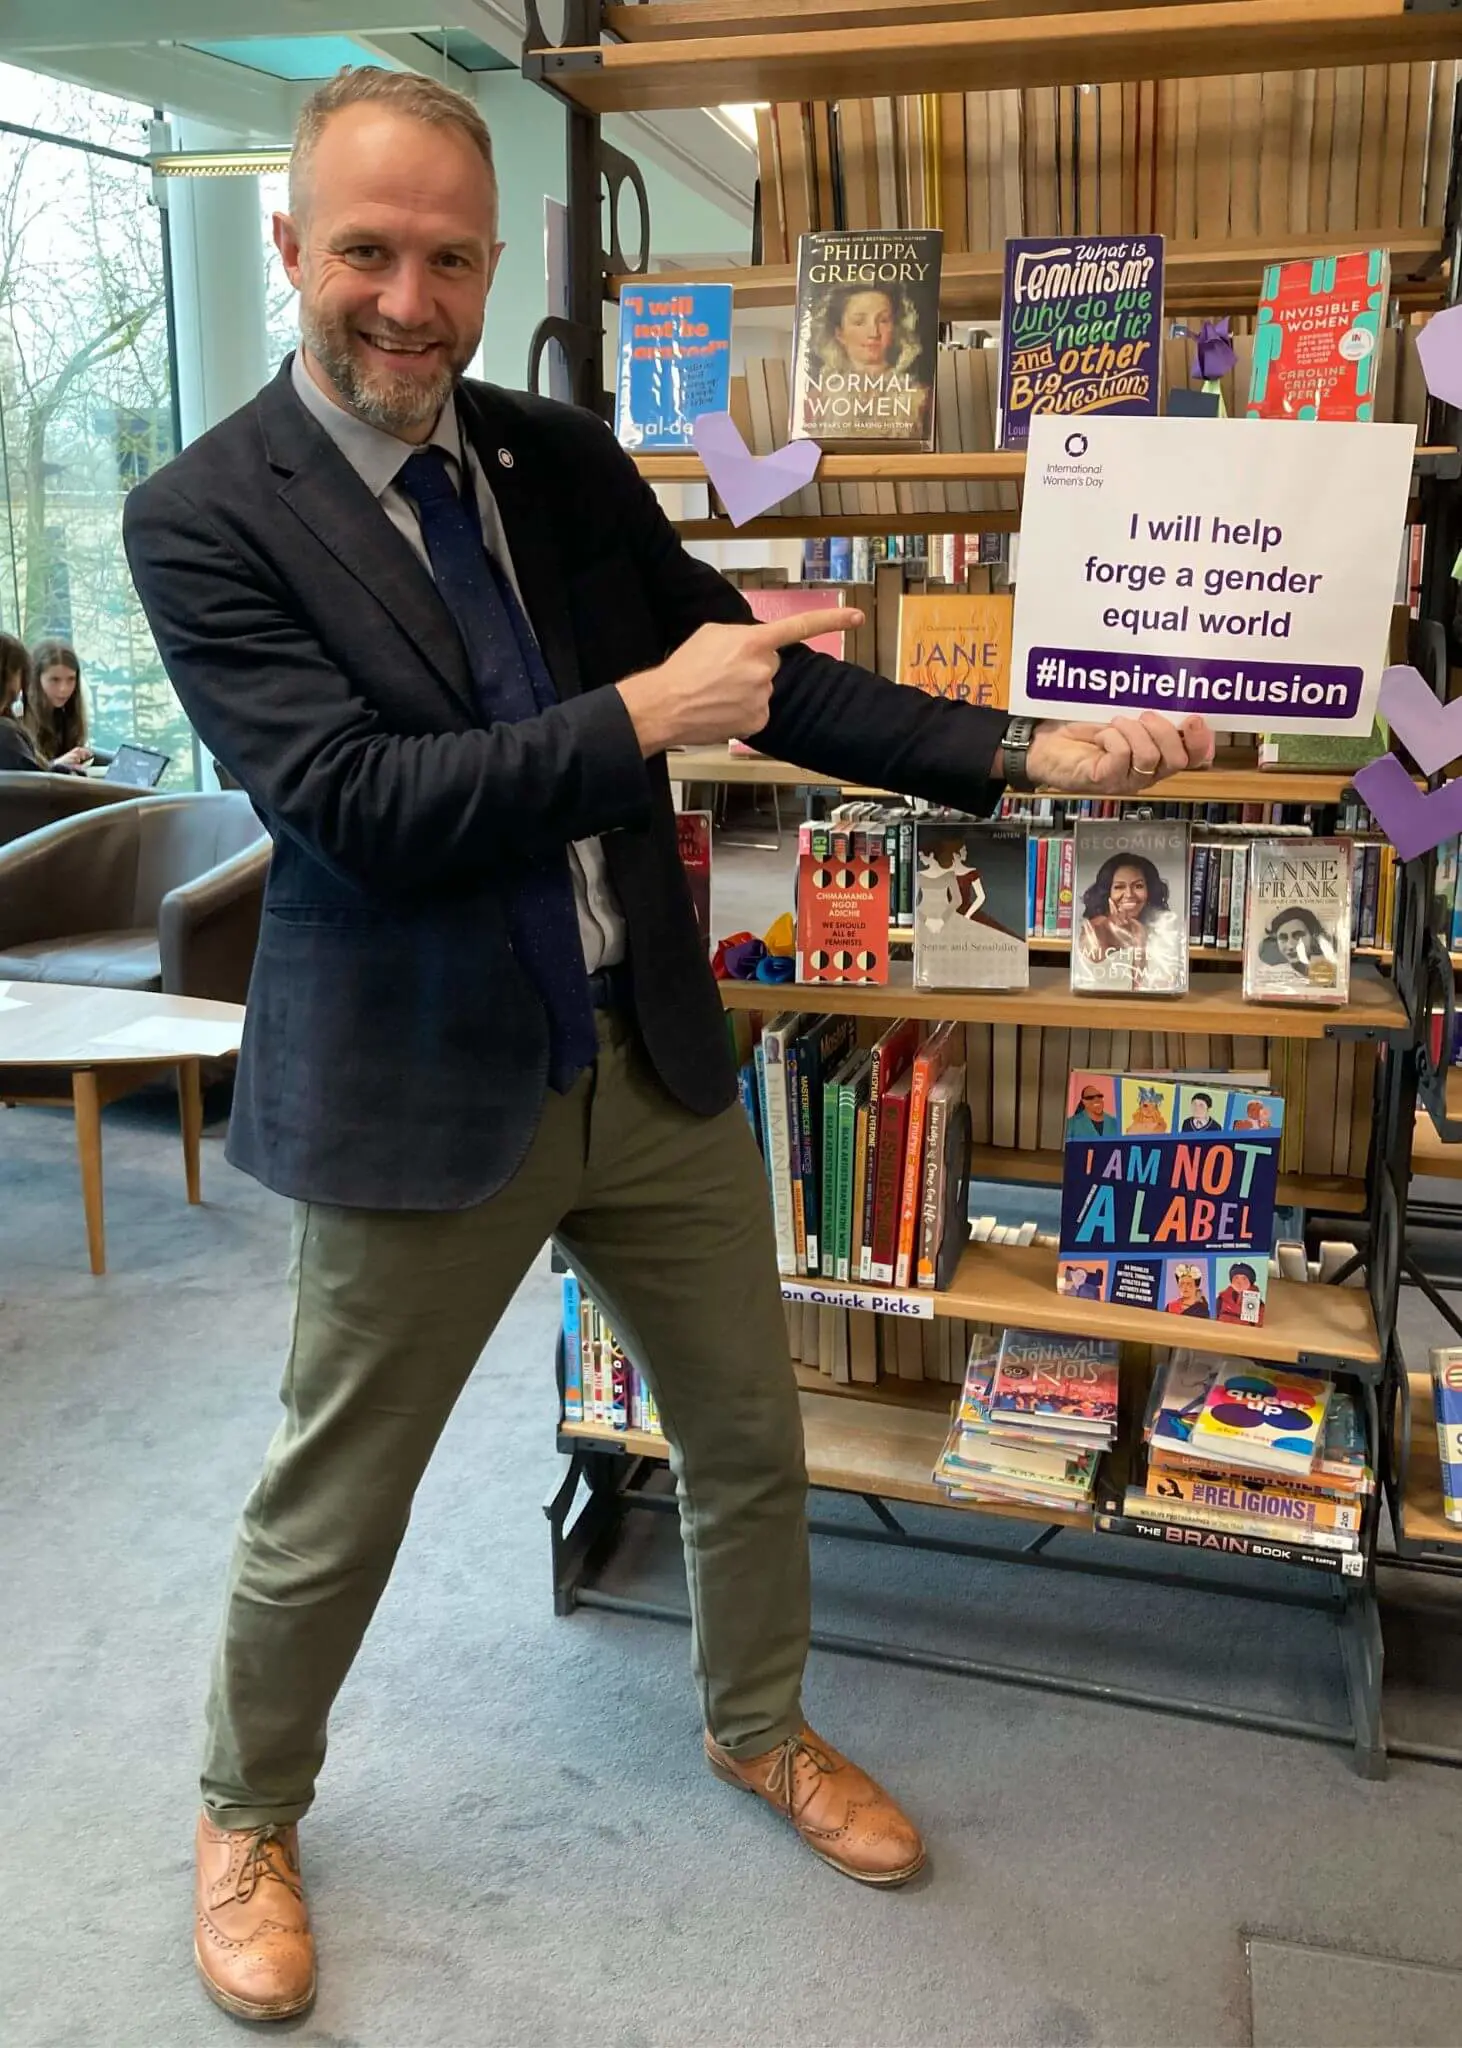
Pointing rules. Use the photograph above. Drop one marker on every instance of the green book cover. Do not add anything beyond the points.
(827, 1231)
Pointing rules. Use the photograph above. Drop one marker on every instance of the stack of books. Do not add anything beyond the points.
(1252, 1459)
(600, 1384)
(1034, 1417)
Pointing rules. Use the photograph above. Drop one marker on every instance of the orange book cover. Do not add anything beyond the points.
(933, 1056)
(957, 645)
(842, 904)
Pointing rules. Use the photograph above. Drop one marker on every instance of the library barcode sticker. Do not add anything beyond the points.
(878, 1301)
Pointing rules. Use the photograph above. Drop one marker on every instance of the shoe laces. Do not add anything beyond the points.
(782, 1777)
(267, 1855)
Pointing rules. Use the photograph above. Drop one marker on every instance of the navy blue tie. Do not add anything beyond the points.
(512, 683)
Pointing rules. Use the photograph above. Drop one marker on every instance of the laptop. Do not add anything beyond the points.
(139, 767)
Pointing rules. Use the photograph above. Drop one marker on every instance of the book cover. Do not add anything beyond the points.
(674, 362)
(969, 909)
(1260, 1416)
(1130, 891)
(1067, 1383)
(892, 1053)
(893, 1135)
(865, 338)
(821, 1049)
(693, 835)
(934, 1055)
(785, 600)
(1297, 921)
(1167, 1195)
(573, 1357)
(955, 645)
(1317, 339)
(1228, 1543)
(775, 1038)
(1175, 1403)
(1323, 750)
(1291, 1526)
(947, 1093)
(842, 904)
(1446, 1369)
(1080, 328)
(1259, 1497)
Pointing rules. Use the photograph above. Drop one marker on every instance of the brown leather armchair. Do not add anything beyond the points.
(28, 801)
(162, 892)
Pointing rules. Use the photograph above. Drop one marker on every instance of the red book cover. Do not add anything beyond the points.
(1043, 855)
(933, 1056)
(893, 1132)
(1317, 340)
(842, 905)
(693, 831)
(1065, 887)
(784, 601)
(891, 1055)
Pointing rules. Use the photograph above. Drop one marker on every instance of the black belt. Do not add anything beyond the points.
(609, 989)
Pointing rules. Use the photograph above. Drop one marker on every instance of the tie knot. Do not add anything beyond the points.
(425, 477)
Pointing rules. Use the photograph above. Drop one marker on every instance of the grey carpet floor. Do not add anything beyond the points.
(515, 1840)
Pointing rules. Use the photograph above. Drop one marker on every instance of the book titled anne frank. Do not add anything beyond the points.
(1080, 328)
(969, 906)
(1167, 1195)
(674, 362)
(1297, 921)
(1131, 908)
(866, 338)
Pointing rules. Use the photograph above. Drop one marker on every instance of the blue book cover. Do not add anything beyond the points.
(1167, 1197)
(573, 1356)
(1447, 1400)
(746, 1087)
(674, 362)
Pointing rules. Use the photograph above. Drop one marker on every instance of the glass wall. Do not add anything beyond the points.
(86, 403)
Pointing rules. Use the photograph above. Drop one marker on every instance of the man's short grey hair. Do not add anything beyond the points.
(404, 92)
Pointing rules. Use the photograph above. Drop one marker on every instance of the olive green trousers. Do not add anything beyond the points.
(665, 1217)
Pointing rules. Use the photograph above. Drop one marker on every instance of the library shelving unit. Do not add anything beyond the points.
(879, 1442)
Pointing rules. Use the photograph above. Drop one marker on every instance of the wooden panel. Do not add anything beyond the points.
(674, 20)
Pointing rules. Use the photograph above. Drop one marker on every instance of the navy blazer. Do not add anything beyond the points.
(394, 1054)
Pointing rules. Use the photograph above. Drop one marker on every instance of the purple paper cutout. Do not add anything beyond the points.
(1430, 730)
(1439, 347)
(750, 484)
(1413, 821)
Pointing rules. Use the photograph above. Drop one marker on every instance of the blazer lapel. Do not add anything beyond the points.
(322, 489)
(502, 444)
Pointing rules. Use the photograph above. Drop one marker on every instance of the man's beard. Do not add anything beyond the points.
(395, 404)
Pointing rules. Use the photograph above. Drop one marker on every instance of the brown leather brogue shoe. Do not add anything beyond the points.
(839, 1811)
(251, 1936)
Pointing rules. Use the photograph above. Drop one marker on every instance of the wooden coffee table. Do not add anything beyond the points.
(85, 1047)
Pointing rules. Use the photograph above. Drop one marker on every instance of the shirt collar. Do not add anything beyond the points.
(372, 453)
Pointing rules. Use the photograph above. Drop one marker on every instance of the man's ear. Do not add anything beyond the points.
(289, 242)
(492, 261)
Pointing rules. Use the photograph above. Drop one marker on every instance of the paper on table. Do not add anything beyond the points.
(9, 1002)
(187, 1037)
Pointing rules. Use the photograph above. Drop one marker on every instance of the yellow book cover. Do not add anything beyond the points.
(957, 645)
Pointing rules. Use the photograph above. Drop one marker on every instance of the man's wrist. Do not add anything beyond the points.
(1014, 748)
(649, 711)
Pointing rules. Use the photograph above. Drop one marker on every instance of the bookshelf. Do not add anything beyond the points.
(1421, 1528)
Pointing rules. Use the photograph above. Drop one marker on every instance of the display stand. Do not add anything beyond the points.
(880, 1442)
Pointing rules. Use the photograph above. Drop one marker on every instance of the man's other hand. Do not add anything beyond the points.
(717, 685)
(1125, 758)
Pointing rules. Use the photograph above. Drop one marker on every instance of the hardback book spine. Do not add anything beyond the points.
(1066, 891)
(1195, 1515)
(794, 1157)
(857, 1244)
(573, 1359)
(1269, 1503)
(779, 1146)
(948, 1090)
(807, 1129)
(827, 1243)
(893, 1127)
(759, 1063)
(1180, 1536)
(847, 1112)
(928, 1065)
(1196, 892)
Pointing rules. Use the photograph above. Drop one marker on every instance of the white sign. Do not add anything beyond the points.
(1241, 569)
(872, 1298)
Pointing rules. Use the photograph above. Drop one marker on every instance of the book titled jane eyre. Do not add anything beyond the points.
(866, 338)
(842, 903)
(1167, 1196)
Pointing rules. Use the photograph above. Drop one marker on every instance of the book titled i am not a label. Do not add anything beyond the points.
(866, 339)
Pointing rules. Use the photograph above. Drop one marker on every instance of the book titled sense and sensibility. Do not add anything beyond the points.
(842, 903)
(1167, 1195)
(1317, 339)
(1297, 921)
(1080, 328)
(969, 905)
(866, 338)
(674, 362)
(1131, 908)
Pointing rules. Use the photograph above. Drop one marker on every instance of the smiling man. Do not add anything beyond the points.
(442, 634)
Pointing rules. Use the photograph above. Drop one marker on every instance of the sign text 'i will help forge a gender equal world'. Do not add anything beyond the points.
(1190, 581)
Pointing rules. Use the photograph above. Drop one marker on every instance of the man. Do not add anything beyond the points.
(1089, 1119)
(1201, 1117)
(442, 635)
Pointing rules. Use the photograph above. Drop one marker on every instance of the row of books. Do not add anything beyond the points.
(1248, 1454)
(856, 1347)
(1034, 1416)
(866, 1146)
(1062, 812)
(600, 1384)
(1284, 153)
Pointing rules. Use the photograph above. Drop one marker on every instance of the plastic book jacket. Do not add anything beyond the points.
(1255, 1414)
(969, 906)
(1167, 1195)
(674, 363)
(866, 338)
(784, 601)
(957, 646)
(1080, 328)
(1297, 923)
(842, 904)
(1131, 908)
(693, 832)
(1056, 1380)
(1446, 1369)
(1317, 340)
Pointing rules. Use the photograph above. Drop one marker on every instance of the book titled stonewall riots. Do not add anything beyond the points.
(1080, 328)
(866, 338)
(1167, 1198)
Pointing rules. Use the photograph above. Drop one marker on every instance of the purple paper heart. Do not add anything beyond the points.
(751, 484)
(1413, 822)
(1430, 730)
(1439, 350)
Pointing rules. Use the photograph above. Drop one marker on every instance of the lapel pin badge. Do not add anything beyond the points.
(505, 457)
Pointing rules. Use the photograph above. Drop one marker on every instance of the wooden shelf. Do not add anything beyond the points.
(1214, 1003)
(1002, 466)
(918, 48)
(879, 1445)
(1197, 276)
(1432, 1155)
(1223, 783)
(1422, 1519)
(1295, 1191)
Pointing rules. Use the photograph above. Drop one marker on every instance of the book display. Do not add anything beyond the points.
(1317, 340)
(674, 363)
(880, 1084)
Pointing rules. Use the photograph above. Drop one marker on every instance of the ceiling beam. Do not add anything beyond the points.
(244, 102)
(40, 25)
(411, 51)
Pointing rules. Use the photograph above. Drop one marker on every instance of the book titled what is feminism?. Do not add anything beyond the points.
(866, 338)
(1080, 328)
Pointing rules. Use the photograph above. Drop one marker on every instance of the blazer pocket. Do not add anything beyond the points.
(324, 917)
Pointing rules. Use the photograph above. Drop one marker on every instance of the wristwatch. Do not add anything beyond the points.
(1019, 732)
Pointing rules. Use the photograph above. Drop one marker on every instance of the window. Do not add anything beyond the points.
(86, 405)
